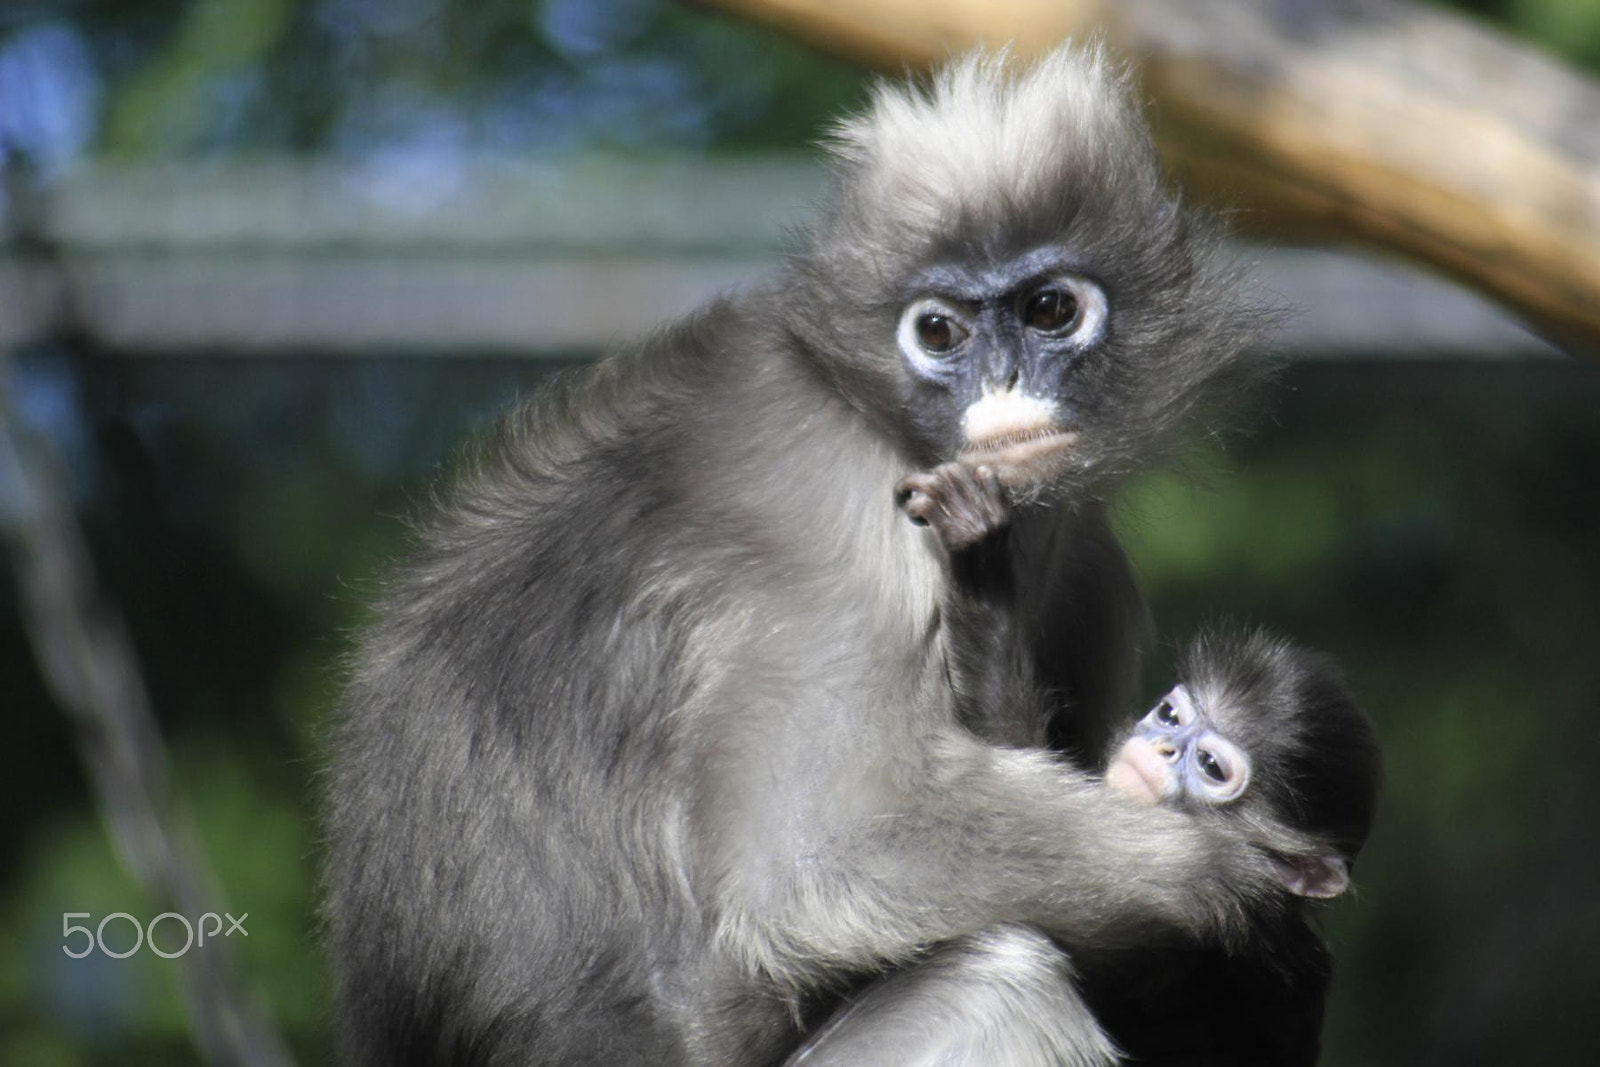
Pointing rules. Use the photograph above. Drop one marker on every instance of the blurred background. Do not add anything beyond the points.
(268, 265)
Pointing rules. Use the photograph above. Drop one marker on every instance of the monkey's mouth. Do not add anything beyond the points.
(1015, 433)
(1019, 448)
(1140, 774)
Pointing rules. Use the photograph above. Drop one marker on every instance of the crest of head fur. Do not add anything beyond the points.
(985, 139)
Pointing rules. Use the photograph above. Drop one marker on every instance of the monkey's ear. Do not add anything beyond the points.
(1322, 877)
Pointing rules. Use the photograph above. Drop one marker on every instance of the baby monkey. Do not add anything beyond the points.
(1257, 730)
(1261, 731)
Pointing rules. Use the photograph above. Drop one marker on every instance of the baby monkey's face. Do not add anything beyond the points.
(1176, 755)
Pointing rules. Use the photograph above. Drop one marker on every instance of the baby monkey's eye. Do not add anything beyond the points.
(1166, 714)
(1211, 766)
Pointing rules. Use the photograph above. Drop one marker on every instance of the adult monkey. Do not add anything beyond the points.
(651, 742)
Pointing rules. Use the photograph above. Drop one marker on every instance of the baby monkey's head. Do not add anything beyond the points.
(1263, 732)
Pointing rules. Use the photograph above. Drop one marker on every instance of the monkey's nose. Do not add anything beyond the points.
(1167, 751)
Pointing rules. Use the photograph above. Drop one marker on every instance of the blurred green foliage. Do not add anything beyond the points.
(1569, 28)
(242, 513)
(364, 77)
(1433, 525)
(429, 78)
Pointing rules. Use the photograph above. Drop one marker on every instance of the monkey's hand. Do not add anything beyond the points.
(962, 504)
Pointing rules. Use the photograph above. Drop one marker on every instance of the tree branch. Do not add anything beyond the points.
(1389, 124)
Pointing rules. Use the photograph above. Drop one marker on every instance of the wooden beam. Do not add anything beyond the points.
(1389, 124)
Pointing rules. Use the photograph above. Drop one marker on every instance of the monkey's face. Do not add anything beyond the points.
(1184, 755)
(1177, 755)
(1005, 277)
(994, 352)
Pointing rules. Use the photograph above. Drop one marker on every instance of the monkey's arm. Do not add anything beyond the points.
(954, 835)
(1049, 659)
(990, 661)
(1085, 619)
(1116, 872)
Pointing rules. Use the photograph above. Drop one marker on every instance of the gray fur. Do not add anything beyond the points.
(650, 746)
(1002, 996)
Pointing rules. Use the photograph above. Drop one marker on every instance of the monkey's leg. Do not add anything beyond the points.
(1004, 995)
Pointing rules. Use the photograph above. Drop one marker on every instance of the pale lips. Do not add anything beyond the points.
(1138, 772)
(1019, 449)
(1012, 430)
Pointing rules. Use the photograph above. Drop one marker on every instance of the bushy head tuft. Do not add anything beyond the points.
(992, 151)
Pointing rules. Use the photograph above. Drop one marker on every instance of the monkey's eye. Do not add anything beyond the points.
(1050, 311)
(938, 333)
(1068, 307)
(1166, 714)
(1223, 769)
(930, 333)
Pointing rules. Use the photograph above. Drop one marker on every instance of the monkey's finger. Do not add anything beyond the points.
(918, 506)
(989, 478)
(916, 492)
(920, 482)
(994, 498)
(977, 491)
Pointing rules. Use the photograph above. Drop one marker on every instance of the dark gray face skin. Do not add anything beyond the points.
(1019, 324)
(651, 745)
(994, 350)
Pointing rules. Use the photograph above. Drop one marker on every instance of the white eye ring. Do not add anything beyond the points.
(1234, 762)
(1092, 307)
(1182, 708)
(932, 364)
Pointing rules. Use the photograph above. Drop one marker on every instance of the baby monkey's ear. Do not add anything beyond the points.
(1319, 876)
